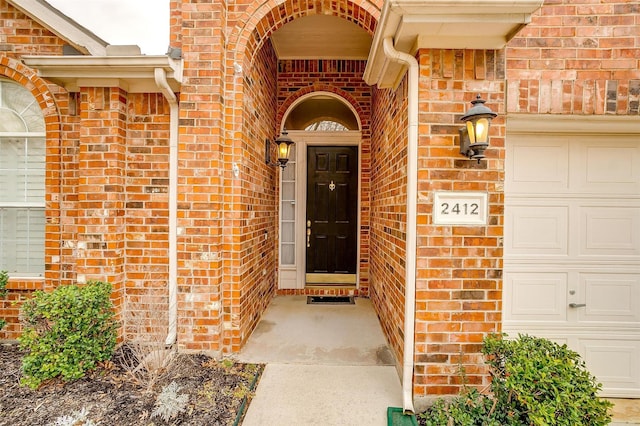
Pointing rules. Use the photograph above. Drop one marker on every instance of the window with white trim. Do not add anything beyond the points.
(288, 211)
(22, 189)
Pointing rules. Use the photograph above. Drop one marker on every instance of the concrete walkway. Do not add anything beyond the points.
(330, 365)
(326, 365)
(296, 394)
(626, 412)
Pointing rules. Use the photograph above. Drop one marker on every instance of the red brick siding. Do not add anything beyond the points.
(101, 188)
(175, 24)
(297, 78)
(577, 57)
(67, 186)
(21, 35)
(18, 292)
(459, 268)
(146, 209)
(205, 165)
(254, 283)
(388, 211)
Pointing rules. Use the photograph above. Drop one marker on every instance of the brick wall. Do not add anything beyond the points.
(175, 24)
(388, 211)
(254, 281)
(64, 186)
(577, 57)
(21, 35)
(459, 268)
(146, 209)
(205, 168)
(101, 189)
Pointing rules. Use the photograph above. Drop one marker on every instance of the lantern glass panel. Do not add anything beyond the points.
(482, 130)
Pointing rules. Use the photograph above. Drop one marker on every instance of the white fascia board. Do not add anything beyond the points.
(465, 7)
(443, 24)
(378, 65)
(60, 24)
(135, 74)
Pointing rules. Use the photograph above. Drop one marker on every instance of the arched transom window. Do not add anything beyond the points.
(321, 113)
(22, 189)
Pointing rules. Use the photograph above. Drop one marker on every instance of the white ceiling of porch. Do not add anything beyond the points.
(321, 37)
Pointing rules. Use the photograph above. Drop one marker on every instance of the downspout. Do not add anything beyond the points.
(161, 81)
(412, 195)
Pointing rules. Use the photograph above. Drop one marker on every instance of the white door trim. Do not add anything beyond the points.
(303, 139)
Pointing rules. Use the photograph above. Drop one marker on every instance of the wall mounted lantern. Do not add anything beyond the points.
(284, 148)
(474, 138)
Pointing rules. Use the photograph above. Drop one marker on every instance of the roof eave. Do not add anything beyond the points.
(134, 74)
(443, 24)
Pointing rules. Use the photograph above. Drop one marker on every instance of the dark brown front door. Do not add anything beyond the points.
(332, 214)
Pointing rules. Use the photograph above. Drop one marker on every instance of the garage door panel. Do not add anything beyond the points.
(572, 247)
(537, 230)
(536, 167)
(609, 297)
(606, 166)
(614, 362)
(610, 231)
(536, 296)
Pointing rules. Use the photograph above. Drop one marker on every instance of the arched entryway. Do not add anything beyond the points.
(277, 59)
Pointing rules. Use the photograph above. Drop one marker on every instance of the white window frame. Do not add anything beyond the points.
(36, 271)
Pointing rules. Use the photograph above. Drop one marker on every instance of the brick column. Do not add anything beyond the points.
(201, 174)
(101, 183)
(459, 268)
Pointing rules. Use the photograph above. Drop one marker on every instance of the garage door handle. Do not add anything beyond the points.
(577, 305)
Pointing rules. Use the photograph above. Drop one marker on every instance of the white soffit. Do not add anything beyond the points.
(134, 74)
(443, 24)
(60, 24)
(321, 37)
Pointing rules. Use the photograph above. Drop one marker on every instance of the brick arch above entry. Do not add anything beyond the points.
(261, 20)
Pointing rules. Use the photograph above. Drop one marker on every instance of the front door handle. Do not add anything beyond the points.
(577, 305)
(308, 237)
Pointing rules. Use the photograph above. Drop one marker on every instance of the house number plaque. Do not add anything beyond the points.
(460, 208)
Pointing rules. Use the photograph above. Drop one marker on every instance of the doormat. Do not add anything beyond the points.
(330, 300)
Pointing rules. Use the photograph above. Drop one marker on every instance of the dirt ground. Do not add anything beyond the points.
(111, 395)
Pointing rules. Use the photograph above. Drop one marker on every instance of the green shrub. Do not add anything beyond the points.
(544, 382)
(4, 279)
(470, 408)
(67, 332)
(534, 382)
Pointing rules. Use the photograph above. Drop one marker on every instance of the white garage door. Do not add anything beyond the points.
(572, 249)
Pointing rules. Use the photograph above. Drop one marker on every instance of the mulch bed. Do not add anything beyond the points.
(112, 396)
